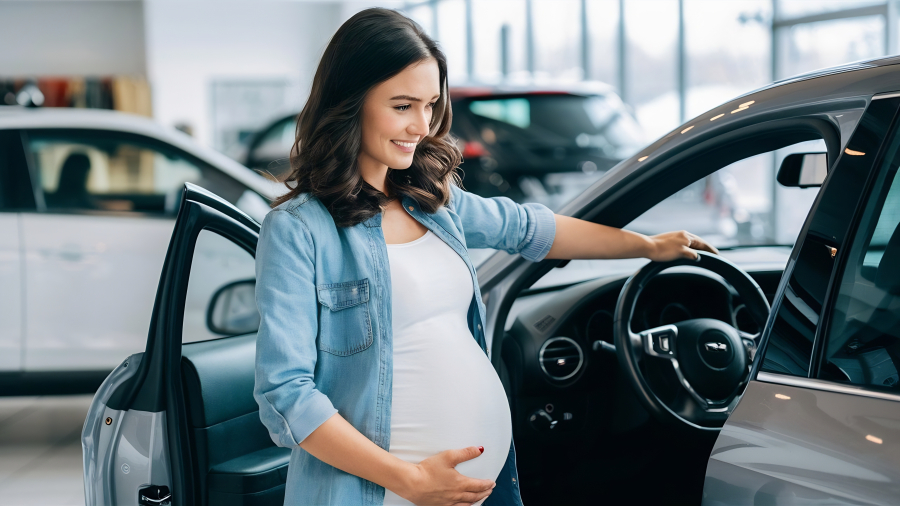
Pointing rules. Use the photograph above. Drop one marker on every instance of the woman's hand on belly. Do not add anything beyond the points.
(437, 482)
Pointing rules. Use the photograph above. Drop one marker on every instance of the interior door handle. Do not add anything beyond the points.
(155, 496)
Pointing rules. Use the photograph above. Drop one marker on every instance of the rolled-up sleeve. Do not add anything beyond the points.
(290, 406)
(500, 223)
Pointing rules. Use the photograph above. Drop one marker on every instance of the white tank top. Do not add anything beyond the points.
(446, 394)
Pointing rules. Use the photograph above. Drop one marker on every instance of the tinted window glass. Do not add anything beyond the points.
(863, 344)
(790, 343)
(101, 171)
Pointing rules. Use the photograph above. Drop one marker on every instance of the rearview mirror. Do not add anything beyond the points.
(232, 310)
(803, 170)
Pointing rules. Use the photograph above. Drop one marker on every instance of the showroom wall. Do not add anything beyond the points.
(197, 45)
(65, 38)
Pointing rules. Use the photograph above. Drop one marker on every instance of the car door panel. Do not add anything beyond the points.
(10, 293)
(846, 451)
(91, 281)
(234, 455)
(196, 397)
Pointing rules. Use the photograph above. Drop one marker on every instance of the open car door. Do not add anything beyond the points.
(178, 424)
(814, 425)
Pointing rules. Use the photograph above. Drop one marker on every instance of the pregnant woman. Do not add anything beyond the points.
(370, 360)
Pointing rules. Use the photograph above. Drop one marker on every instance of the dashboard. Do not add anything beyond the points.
(558, 356)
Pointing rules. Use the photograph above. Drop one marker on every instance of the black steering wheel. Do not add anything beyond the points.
(711, 358)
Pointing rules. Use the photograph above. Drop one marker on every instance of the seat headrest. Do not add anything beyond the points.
(74, 172)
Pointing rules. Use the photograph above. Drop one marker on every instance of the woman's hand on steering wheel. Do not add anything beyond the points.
(674, 245)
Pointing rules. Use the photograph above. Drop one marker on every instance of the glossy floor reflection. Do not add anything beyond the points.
(40, 450)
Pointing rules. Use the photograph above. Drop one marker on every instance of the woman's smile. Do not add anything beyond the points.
(406, 147)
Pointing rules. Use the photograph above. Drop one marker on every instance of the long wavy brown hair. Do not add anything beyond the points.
(368, 49)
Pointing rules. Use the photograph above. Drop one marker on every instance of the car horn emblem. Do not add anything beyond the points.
(716, 347)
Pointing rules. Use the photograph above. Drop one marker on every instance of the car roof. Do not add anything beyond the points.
(14, 117)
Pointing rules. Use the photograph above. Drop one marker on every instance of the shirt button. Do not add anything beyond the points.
(411, 208)
(479, 326)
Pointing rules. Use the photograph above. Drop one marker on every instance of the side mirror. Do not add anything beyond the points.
(803, 170)
(232, 310)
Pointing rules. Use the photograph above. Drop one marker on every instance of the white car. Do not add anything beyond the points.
(87, 206)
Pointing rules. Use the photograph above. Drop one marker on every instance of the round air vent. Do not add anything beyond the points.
(561, 358)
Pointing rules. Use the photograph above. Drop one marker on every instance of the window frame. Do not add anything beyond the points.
(846, 238)
(878, 169)
(137, 139)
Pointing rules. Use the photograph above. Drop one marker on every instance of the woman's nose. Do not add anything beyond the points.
(420, 125)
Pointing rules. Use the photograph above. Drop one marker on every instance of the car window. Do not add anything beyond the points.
(789, 347)
(735, 205)
(863, 339)
(105, 171)
(220, 297)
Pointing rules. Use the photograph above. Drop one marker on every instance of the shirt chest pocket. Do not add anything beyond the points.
(345, 327)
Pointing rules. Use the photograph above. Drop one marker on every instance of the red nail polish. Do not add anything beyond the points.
(481, 449)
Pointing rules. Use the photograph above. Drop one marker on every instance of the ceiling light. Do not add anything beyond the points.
(876, 440)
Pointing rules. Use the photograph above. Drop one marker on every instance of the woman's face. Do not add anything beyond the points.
(396, 115)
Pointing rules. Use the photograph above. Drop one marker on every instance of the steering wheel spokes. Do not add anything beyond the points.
(660, 341)
(710, 358)
(722, 360)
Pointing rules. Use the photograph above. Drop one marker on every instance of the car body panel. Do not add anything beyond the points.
(787, 445)
(91, 281)
(10, 293)
(123, 450)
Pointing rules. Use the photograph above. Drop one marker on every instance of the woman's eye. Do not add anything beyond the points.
(431, 105)
(402, 107)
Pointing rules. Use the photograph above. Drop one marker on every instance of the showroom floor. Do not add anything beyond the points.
(40, 450)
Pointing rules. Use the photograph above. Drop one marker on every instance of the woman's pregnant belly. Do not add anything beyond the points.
(446, 396)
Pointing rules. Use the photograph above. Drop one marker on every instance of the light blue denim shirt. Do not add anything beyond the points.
(325, 343)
